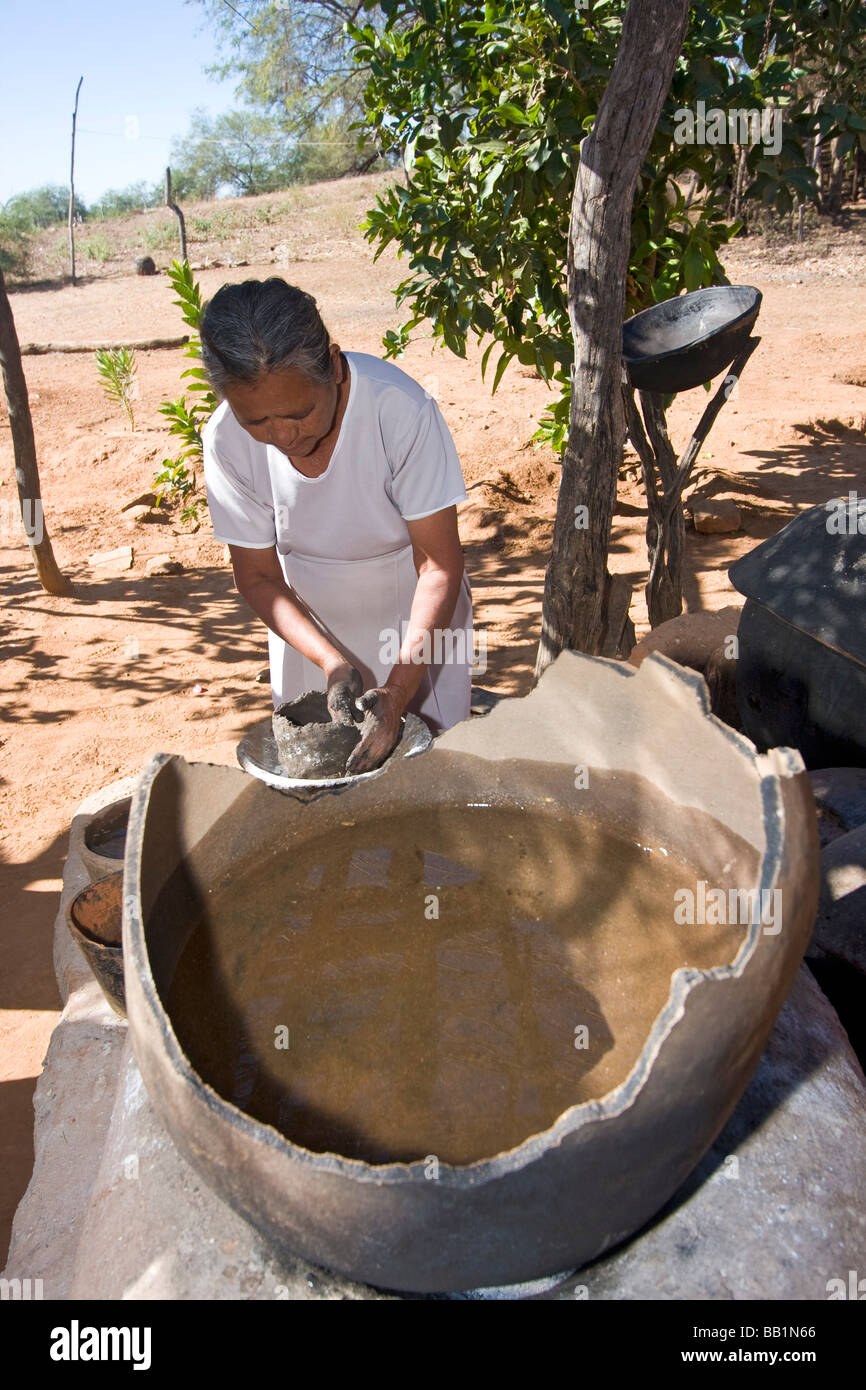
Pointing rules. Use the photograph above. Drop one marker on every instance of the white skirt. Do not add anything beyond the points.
(363, 606)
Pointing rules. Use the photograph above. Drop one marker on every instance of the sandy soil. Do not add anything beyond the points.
(94, 684)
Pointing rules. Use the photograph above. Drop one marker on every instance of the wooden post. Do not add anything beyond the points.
(178, 214)
(24, 450)
(598, 244)
(72, 186)
(665, 479)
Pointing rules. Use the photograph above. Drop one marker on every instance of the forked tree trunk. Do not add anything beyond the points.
(181, 222)
(71, 214)
(598, 245)
(24, 449)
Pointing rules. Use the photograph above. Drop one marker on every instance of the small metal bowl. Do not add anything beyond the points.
(94, 918)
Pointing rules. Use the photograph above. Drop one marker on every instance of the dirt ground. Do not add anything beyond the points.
(95, 683)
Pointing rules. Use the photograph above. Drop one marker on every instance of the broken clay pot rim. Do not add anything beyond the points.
(770, 768)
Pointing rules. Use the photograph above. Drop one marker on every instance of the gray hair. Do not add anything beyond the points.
(262, 326)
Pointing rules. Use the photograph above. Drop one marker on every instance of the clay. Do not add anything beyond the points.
(309, 743)
(691, 639)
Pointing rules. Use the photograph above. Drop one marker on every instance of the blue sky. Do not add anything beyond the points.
(143, 65)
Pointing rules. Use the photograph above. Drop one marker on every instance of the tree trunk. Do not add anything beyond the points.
(71, 215)
(836, 182)
(818, 166)
(104, 345)
(181, 224)
(598, 244)
(24, 449)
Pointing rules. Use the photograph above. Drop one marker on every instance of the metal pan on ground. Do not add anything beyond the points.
(686, 341)
(258, 754)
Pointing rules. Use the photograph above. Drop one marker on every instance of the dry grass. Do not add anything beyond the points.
(224, 230)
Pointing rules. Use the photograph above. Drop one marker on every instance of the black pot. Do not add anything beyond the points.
(686, 341)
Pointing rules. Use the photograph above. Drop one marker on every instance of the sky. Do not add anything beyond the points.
(143, 65)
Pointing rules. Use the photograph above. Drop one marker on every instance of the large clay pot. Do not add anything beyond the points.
(661, 769)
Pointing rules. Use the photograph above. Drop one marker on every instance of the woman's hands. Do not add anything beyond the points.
(344, 687)
(381, 708)
(438, 559)
(380, 730)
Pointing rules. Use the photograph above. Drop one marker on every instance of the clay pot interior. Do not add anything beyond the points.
(488, 1003)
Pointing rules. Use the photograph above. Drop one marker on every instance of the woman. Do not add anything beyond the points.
(333, 479)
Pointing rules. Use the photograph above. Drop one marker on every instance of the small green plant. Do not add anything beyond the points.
(160, 237)
(177, 480)
(117, 368)
(177, 483)
(98, 248)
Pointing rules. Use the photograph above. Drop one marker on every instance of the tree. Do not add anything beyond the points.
(241, 152)
(245, 152)
(489, 103)
(119, 202)
(24, 449)
(611, 157)
(41, 207)
(832, 84)
(293, 60)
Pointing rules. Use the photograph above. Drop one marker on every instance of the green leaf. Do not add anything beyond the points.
(491, 178)
(512, 113)
(694, 265)
(500, 368)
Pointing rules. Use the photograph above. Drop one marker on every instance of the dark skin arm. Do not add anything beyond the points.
(260, 580)
(438, 558)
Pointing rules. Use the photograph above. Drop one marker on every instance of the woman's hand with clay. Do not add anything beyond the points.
(344, 687)
(382, 710)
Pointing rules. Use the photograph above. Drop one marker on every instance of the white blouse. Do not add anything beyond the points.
(342, 538)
